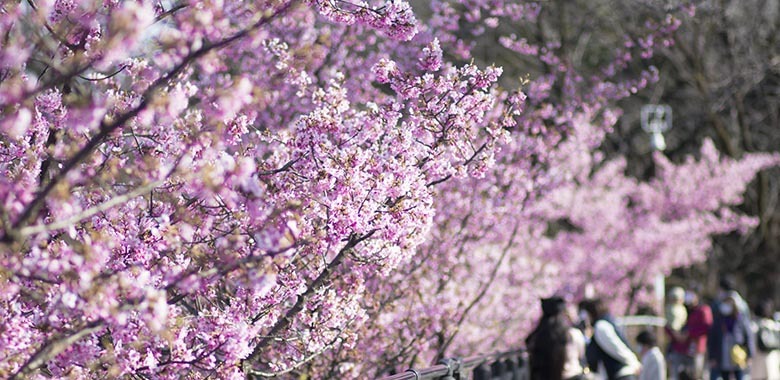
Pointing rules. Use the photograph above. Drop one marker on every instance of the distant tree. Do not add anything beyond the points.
(722, 78)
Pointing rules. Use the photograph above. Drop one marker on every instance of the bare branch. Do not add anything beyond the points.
(485, 286)
(297, 365)
(32, 230)
(171, 11)
(109, 126)
(282, 323)
(54, 347)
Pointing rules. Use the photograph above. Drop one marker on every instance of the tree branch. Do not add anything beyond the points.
(32, 230)
(254, 372)
(284, 322)
(54, 347)
(171, 11)
(482, 292)
(107, 127)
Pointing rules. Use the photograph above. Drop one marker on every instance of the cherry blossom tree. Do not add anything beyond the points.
(240, 189)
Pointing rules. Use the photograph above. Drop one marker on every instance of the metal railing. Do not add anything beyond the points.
(499, 366)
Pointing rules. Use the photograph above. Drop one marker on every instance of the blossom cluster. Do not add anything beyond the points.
(276, 188)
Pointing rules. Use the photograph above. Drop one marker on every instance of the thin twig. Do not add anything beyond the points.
(32, 230)
(54, 347)
(171, 11)
(285, 321)
(109, 126)
(481, 293)
(297, 365)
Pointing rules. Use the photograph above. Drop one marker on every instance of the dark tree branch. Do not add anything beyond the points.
(54, 347)
(109, 126)
(284, 322)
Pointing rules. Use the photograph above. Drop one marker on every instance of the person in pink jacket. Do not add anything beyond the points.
(695, 331)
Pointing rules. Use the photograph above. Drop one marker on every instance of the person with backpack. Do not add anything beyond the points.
(608, 351)
(766, 362)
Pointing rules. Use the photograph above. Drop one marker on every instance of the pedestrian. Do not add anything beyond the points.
(676, 316)
(675, 311)
(555, 347)
(695, 332)
(766, 362)
(653, 362)
(727, 286)
(730, 341)
(608, 351)
(678, 353)
(584, 324)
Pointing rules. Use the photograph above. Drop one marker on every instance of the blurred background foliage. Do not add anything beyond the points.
(721, 76)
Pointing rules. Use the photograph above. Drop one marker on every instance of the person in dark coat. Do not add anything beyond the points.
(731, 344)
(608, 351)
(555, 347)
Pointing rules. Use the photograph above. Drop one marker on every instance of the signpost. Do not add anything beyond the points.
(657, 119)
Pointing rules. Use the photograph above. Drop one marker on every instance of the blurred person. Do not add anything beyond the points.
(688, 347)
(676, 318)
(727, 286)
(766, 361)
(608, 352)
(584, 324)
(696, 330)
(653, 362)
(675, 311)
(730, 341)
(555, 347)
(677, 353)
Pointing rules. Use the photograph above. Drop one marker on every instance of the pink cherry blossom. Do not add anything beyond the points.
(333, 189)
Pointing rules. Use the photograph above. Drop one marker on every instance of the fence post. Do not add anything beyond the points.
(513, 368)
(482, 372)
(453, 368)
(498, 368)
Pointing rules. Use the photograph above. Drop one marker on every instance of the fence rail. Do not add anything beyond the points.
(504, 366)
